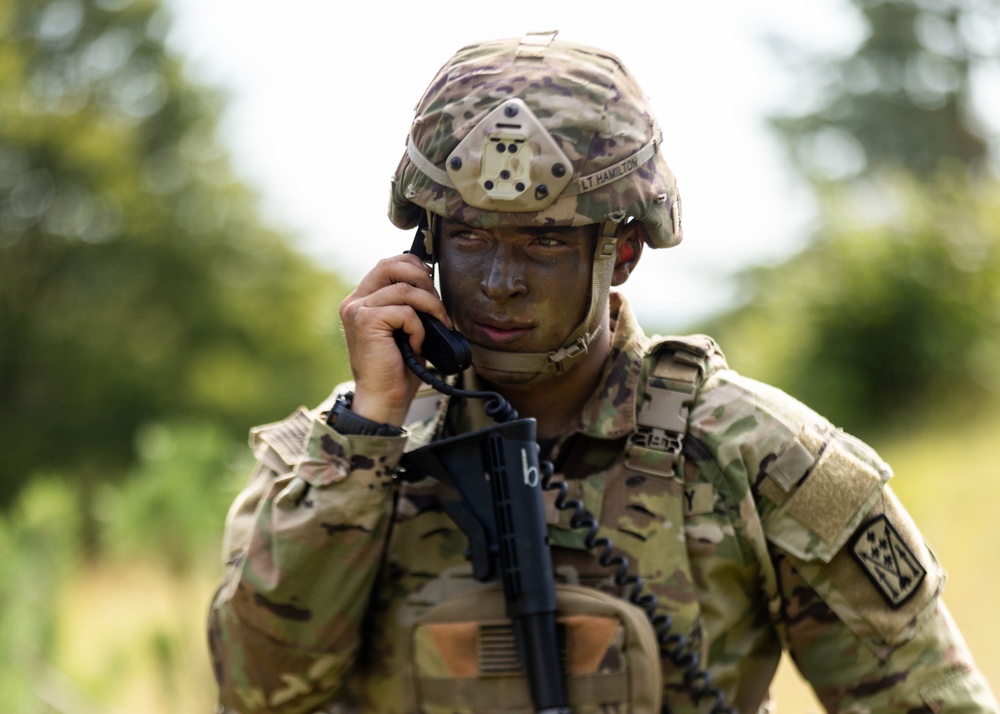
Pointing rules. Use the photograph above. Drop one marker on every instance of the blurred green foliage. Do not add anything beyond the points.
(137, 279)
(39, 547)
(902, 100)
(892, 310)
(148, 315)
(891, 313)
(166, 515)
(170, 507)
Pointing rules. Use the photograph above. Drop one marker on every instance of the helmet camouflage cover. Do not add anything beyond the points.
(536, 132)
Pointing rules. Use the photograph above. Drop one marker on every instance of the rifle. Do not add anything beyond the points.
(495, 472)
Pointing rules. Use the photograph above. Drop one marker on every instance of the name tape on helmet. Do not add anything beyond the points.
(612, 173)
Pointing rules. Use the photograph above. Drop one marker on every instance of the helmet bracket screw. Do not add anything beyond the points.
(558, 170)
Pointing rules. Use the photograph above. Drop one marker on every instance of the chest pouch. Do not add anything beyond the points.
(463, 655)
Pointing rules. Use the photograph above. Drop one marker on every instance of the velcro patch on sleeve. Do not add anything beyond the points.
(833, 494)
(821, 512)
(285, 438)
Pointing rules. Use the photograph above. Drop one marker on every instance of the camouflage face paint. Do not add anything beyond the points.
(516, 289)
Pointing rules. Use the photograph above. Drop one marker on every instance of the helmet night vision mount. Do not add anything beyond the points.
(509, 162)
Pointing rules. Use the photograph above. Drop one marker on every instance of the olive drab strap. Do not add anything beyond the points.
(674, 370)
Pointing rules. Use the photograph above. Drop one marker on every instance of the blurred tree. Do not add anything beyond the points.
(886, 316)
(137, 279)
(903, 100)
(893, 308)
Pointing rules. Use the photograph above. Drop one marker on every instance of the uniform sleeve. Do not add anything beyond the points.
(856, 593)
(303, 545)
(865, 622)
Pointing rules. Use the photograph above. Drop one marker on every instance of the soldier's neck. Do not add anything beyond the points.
(556, 403)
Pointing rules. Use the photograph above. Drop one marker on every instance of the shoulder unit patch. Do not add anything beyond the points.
(887, 560)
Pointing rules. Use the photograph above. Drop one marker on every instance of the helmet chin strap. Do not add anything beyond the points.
(576, 345)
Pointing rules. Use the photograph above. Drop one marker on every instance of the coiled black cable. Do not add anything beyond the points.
(673, 646)
(496, 407)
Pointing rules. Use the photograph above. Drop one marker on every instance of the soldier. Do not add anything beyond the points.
(750, 524)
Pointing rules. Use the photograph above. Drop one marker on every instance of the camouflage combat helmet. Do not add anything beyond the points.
(538, 132)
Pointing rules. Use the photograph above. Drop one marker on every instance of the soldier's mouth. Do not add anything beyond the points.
(501, 332)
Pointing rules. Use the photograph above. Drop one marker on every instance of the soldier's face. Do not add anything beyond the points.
(516, 289)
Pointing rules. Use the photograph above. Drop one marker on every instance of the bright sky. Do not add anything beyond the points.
(322, 94)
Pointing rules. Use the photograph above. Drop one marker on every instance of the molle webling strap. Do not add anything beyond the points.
(576, 345)
(674, 376)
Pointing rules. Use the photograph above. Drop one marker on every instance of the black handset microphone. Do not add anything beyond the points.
(446, 349)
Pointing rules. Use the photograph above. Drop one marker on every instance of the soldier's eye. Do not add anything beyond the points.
(548, 242)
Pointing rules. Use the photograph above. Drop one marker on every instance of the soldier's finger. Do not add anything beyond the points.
(398, 269)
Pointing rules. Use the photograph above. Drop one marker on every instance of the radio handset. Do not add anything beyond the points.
(446, 349)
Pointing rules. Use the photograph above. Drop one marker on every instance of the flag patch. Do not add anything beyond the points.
(887, 560)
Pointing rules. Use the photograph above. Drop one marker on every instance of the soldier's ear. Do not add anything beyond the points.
(628, 250)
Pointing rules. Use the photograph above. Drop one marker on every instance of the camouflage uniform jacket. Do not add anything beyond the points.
(774, 531)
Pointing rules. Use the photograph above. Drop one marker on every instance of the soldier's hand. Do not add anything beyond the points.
(385, 300)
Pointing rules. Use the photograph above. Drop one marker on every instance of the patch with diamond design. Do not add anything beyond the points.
(887, 560)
